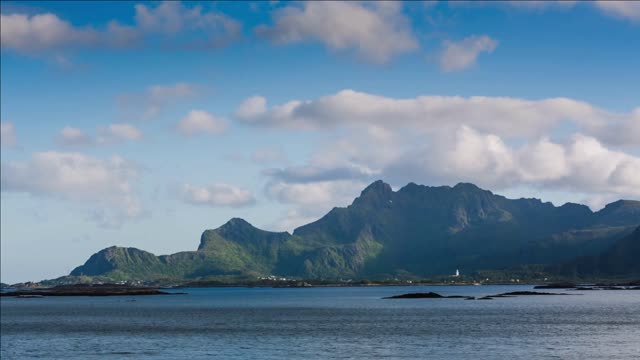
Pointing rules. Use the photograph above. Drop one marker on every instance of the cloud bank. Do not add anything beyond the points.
(154, 25)
(498, 143)
(111, 134)
(217, 195)
(103, 185)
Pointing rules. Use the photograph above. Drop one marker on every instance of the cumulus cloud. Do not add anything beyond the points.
(376, 31)
(154, 99)
(70, 136)
(624, 132)
(498, 143)
(117, 132)
(332, 177)
(456, 56)
(326, 194)
(26, 33)
(106, 185)
(200, 122)
(293, 218)
(47, 32)
(111, 134)
(504, 116)
(468, 155)
(8, 134)
(172, 17)
(581, 165)
(628, 10)
(251, 108)
(217, 195)
(310, 200)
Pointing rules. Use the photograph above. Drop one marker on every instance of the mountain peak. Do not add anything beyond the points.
(578, 208)
(377, 186)
(619, 212)
(236, 223)
(467, 187)
(377, 193)
(111, 258)
(241, 231)
(632, 204)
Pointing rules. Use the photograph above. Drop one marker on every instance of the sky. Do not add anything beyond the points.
(141, 124)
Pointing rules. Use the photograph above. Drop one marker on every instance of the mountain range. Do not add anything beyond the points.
(416, 231)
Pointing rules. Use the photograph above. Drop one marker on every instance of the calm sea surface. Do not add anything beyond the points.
(316, 323)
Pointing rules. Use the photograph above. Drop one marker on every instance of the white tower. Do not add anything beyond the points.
(457, 273)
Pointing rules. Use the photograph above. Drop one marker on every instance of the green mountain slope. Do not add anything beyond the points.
(418, 230)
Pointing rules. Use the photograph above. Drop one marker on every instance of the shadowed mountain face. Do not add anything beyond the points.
(622, 258)
(418, 230)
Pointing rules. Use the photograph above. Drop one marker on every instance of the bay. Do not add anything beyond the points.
(324, 323)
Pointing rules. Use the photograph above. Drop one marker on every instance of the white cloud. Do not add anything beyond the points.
(503, 116)
(624, 132)
(581, 165)
(42, 31)
(172, 17)
(310, 200)
(293, 218)
(251, 108)
(70, 136)
(456, 56)
(498, 143)
(106, 185)
(8, 134)
(542, 160)
(628, 10)
(199, 122)
(217, 195)
(377, 31)
(111, 134)
(167, 17)
(597, 169)
(47, 32)
(326, 194)
(120, 132)
(153, 100)
(469, 155)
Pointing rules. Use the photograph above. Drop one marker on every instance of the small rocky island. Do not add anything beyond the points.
(86, 290)
(433, 295)
(428, 295)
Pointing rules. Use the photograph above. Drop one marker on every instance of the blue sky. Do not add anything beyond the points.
(142, 124)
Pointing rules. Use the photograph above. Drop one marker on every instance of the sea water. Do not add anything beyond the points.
(325, 323)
